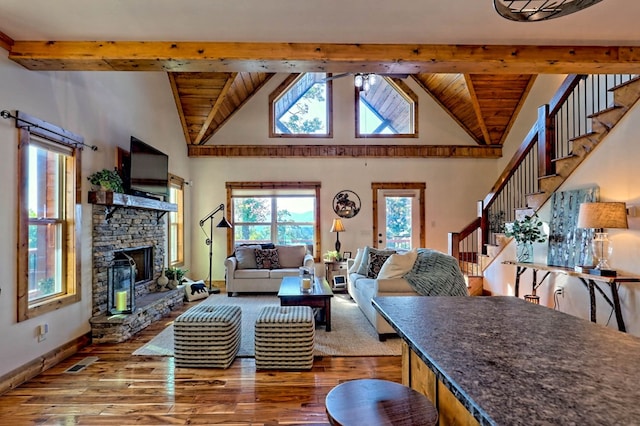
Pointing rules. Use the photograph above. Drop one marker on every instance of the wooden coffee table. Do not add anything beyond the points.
(291, 294)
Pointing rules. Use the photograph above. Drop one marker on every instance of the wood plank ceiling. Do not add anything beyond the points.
(485, 106)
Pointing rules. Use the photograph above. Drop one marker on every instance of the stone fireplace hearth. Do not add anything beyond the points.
(140, 233)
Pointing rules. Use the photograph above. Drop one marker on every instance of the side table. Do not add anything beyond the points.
(333, 268)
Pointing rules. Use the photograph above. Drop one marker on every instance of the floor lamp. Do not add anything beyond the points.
(209, 241)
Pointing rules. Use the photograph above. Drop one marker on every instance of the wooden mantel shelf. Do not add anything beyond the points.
(114, 199)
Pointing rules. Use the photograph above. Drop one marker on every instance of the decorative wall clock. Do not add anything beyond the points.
(346, 203)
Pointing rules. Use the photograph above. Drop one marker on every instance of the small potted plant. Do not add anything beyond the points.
(107, 180)
(175, 276)
(332, 256)
(526, 232)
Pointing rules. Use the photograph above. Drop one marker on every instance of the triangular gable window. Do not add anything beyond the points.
(388, 108)
(301, 107)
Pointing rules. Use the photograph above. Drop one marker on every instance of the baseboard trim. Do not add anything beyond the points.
(28, 371)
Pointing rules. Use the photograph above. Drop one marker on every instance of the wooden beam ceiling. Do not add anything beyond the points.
(322, 57)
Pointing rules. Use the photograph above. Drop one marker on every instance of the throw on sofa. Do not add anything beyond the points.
(375, 273)
(260, 268)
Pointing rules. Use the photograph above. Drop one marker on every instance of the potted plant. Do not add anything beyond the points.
(332, 256)
(176, 274)
(526, 232)
(107, 180)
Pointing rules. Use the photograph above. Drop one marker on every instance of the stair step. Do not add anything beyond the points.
(535, 201)
(627, 93)
(549, 184)
(583, 145)
(608, 117)
(566, 165)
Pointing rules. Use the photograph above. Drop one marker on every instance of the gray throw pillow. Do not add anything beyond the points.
(246, 256)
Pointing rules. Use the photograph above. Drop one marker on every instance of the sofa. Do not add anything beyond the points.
(376, 273)
(260, 268)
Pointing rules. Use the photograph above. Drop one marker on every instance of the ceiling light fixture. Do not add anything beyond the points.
(364, 81)
(539, 10)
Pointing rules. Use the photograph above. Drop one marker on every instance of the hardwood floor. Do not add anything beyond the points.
(122, 389)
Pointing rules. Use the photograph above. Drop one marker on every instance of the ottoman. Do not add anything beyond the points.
(207, 336)
(284, 337)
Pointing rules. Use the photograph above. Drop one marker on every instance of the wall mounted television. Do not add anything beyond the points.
(147, 172)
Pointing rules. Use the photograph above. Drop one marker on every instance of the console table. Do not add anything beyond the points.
(590, 281)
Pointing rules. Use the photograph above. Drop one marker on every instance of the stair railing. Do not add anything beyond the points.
(566, 117)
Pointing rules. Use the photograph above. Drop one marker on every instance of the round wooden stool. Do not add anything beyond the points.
(378, 402)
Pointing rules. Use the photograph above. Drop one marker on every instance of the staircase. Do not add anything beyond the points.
(547, 157)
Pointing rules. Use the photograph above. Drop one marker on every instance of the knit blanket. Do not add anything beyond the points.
(436, 274)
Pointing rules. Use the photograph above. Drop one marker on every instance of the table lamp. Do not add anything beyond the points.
(337, 227)
(599, 216)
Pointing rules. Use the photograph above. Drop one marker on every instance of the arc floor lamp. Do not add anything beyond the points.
(224, 223)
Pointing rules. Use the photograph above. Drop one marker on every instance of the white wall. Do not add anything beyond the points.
(613, 167)
(106, 108)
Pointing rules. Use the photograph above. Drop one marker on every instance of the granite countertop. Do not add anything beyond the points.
(511, 362)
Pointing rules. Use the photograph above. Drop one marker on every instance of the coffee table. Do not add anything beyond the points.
(291, 294)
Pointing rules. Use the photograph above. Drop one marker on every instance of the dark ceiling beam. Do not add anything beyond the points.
(322, 57)
(6, 42)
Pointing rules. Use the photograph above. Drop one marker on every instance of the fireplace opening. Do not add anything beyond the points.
(143, 257)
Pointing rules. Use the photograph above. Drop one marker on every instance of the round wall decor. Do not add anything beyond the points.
(346, 203)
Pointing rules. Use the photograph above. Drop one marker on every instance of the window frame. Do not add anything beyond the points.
(275, 186)
(177, 183)
(29, 130)
(281, 89)
(405, 91)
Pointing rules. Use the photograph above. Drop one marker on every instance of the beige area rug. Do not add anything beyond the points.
(351, 333)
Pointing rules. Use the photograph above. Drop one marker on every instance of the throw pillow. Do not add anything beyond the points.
(195, 290)
(376, 260)
(398, 264)
(364, 265)
(246, 256)
(291, 256)
(267, 259)
(356, 262)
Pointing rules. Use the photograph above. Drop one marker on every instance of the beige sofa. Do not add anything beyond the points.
(260, 269)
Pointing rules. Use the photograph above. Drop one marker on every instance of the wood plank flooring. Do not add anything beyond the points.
(122, 389)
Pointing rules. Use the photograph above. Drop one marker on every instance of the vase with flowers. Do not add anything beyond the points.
(526, 231)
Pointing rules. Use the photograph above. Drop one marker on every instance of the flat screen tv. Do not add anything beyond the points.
(148, 171)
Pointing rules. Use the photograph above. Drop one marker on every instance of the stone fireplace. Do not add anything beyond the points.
(138, 232)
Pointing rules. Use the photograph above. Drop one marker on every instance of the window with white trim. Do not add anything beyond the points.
(176, 222)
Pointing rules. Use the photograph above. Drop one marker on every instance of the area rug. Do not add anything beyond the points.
(351, 333)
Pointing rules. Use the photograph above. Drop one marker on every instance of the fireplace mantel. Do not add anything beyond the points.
(114, 200)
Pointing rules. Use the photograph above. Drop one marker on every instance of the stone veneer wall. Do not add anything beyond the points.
(128, 228)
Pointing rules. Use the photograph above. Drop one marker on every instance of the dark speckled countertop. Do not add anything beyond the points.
(515, 363)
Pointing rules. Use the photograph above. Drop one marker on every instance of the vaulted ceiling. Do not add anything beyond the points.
(478, 66)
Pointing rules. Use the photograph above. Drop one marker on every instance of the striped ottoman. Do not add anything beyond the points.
(284, 337)
(207, 336)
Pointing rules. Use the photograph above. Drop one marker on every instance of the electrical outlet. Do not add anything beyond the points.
(42, 331)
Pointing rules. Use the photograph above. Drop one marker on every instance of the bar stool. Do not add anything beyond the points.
(378, 402)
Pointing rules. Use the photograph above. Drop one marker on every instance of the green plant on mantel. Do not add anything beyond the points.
(527, 230)
(107, 180)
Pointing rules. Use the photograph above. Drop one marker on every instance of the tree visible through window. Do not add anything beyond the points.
(301, 106)
(176, 222)
(275, 212)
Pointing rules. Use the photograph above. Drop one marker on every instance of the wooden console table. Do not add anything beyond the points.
(589, 280)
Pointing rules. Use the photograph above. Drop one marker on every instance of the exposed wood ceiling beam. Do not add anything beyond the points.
(181, 115)
(322, 57)
(214, 109)
(6, 42)
(352, 151)
(476, 108)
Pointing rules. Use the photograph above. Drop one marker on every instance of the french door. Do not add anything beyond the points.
(399, 215)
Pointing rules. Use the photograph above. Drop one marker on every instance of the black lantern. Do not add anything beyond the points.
(120, 286)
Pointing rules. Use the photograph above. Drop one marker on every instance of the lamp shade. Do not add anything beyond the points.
(602, 215)
(224, 223)
(337, 226)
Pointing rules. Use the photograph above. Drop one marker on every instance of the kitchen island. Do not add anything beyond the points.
(503, 361)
